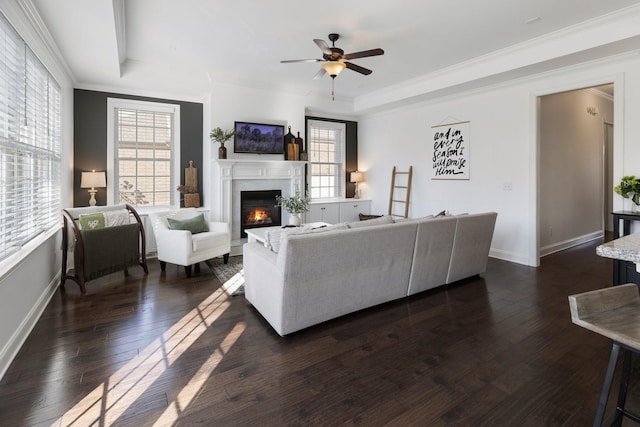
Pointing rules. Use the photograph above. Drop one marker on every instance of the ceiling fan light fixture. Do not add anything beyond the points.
(333, 68)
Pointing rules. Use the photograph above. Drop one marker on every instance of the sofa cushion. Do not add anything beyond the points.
(273, 238)
(195, 225)
(386, 219)
(207, 240)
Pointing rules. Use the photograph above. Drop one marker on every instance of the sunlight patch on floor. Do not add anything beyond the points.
(233, 284)
(107, 402)
(191, 390)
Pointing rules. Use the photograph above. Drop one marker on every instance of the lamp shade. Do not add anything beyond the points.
(357, 176)
(93, 179)
(333, 68)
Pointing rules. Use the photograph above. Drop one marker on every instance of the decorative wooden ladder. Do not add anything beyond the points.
(400, 187)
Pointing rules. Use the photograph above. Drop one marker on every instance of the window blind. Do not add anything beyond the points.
(30, 144)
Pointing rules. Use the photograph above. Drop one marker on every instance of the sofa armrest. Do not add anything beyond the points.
(264, 283)
(219, 227)
(173, 244)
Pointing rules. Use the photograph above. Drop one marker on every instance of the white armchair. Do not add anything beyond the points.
(183, 248)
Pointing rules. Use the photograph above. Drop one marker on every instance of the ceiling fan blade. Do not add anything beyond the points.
(321, 72)
(324, 47)
(358, 68)
(287, 61)
(364, 54)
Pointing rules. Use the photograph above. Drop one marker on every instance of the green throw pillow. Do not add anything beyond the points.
(195, 225)
(92, 221)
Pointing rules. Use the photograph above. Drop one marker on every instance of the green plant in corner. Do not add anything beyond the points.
(629, 188)
(295, 204)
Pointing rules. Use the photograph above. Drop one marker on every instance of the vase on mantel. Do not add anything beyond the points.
(295, 219)
(222, 151)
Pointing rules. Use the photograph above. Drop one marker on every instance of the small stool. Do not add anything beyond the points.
(614, 313)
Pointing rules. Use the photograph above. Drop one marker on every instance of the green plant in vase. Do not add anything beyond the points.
(295, 205)
(221, 136)
(629, 188)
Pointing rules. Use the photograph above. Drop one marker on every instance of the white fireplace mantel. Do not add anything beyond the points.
(230, 176)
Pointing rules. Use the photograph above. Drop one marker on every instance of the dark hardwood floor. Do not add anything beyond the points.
(499, 350)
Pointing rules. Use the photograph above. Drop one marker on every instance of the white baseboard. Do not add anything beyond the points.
(10, 350)
(561, 246)
(509, 256)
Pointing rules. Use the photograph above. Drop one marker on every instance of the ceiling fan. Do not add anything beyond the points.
(335, 60)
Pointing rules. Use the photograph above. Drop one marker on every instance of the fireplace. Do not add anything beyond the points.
(258, 209)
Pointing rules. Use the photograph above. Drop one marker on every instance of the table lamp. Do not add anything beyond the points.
(92, 180)
(357, 177)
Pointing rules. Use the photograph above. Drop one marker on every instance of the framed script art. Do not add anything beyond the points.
(450, 158)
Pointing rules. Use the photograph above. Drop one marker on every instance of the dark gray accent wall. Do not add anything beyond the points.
(351, 150)
(90, 138)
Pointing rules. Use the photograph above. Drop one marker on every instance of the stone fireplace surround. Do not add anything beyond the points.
(231, 176)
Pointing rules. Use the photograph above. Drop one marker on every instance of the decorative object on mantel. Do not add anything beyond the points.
(189, 190)
(300, 143)
(295, 205)
(288, 139)
(629, 188)
(450, 144)
(218, 135)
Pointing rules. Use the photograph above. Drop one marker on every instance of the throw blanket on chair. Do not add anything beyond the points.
(110, 249)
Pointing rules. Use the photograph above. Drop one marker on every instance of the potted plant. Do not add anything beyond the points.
(221, 136)
(629, 188)
(295, 205)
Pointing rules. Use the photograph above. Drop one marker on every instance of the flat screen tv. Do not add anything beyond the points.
(258, 138)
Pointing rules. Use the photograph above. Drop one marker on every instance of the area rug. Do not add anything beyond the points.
(231, 275)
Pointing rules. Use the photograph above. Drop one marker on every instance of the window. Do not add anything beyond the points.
(326, 145)
(30, 144)
(144, 152)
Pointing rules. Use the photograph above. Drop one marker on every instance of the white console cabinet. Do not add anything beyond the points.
(334, 211)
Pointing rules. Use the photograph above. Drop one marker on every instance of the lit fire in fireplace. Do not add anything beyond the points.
(258, 216)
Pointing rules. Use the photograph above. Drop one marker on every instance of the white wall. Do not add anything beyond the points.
(228, 104)
(29, 279)
(503, 149)
(571, 168)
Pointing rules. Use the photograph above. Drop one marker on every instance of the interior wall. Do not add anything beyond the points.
(234, 103)
(498, 154)
(503, 150)
(90, 138)
(572, 167)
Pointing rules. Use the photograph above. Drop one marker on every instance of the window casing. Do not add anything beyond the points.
(326, 147)
(144, 152)
(30, 144)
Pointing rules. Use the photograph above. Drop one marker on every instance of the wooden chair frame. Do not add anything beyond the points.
(79, 275)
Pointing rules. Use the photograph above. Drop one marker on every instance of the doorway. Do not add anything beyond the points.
(575, 167)
(608, 176)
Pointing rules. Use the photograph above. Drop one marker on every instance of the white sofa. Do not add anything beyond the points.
(316, 277)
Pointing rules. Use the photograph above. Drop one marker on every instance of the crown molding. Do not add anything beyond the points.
(599, 93)
(55, 57)
(607, 29)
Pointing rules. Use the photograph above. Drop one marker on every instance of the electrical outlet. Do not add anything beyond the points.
(507, 186)
(550, 231)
